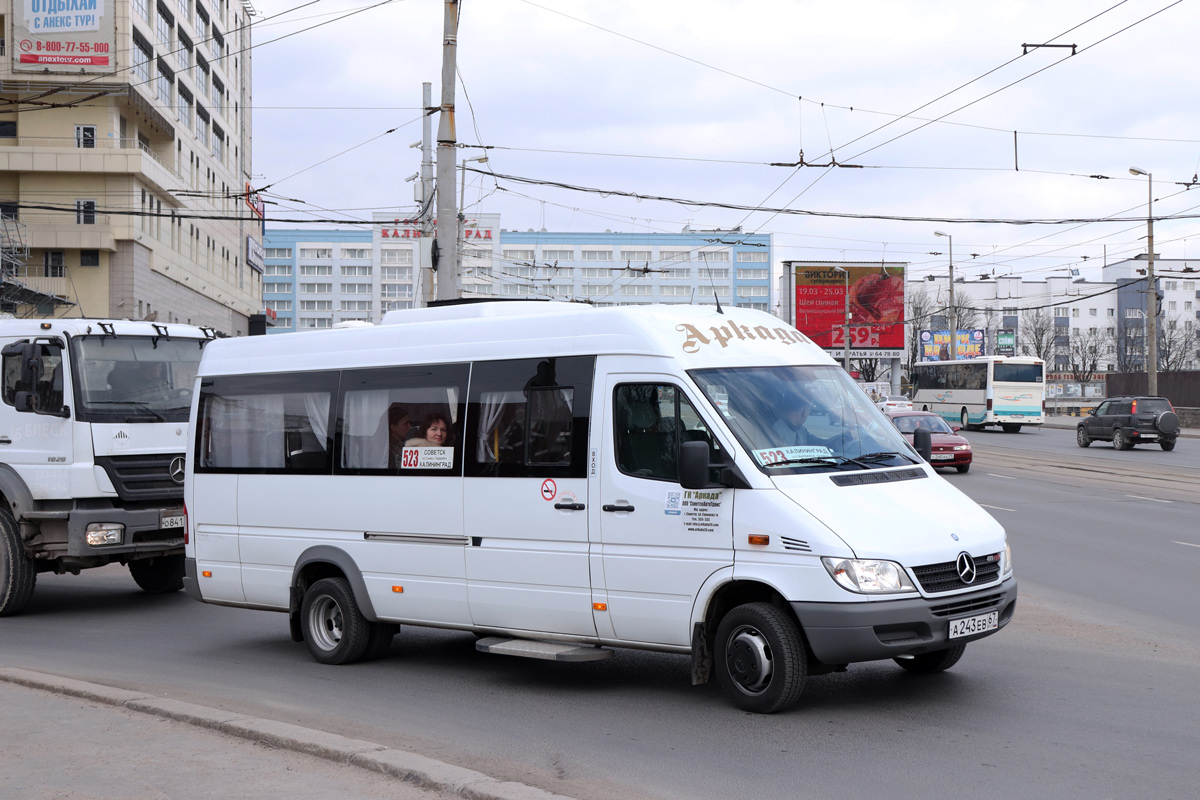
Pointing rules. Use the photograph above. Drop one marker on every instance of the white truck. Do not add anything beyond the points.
(93, 428)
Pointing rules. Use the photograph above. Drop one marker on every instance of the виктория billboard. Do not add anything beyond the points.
(876, 306)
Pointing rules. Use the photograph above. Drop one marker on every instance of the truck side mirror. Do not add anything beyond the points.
(923, 441)
(23, 401)
(693, 465)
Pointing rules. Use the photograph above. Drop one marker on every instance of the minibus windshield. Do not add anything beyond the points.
(795, 420)
(134, 378)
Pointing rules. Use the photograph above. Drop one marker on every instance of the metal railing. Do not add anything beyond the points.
(102, 143)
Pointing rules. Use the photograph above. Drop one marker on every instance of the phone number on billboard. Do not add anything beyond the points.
(72, 47)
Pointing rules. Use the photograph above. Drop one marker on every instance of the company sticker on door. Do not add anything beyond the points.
(427, 458)
(701, 510)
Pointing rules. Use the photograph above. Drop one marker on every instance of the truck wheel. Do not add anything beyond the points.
(760, 658)
(937, 661)
(17, 571)
(334, 629)
(380, 640)
(158, 575)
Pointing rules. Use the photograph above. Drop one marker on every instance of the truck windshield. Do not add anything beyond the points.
(796, 420)
(134, 378)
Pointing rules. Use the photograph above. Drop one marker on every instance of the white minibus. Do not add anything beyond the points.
(561, 479)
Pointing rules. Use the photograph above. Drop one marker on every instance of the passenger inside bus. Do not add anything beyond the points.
(434, 432)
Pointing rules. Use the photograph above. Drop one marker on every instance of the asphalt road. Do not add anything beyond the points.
(1089, 693)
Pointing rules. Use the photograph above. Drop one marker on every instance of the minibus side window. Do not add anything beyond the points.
(386, 415)
(266, 423)
(529, 417)
(651, 421)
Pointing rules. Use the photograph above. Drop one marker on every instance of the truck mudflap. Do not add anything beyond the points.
(144, 534)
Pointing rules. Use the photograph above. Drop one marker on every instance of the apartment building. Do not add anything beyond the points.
(317, 278)
(125, 156)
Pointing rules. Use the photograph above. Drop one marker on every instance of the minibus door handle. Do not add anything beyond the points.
(5, 440)
(570, 506)
(617, 508)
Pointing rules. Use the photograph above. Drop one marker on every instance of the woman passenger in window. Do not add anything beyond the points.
(434, 432)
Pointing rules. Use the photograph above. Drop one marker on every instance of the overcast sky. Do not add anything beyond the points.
(695, 100)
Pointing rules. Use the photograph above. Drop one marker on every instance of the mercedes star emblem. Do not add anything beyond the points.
(966, 568)
(177, 471)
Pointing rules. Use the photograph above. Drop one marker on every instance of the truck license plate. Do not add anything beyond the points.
(172, 518)
(969, 626)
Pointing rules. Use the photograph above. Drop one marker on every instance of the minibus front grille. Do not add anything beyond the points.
(967, 606)
(795, 544)
(944, 577)
(142, 477)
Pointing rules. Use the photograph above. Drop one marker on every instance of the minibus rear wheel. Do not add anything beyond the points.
(760, 658)
(334, 629)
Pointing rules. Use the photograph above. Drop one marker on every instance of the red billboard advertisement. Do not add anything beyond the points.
(876, 307)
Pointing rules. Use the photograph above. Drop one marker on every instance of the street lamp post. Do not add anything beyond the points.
(953, 309)
(1152, 290)
(846, 321)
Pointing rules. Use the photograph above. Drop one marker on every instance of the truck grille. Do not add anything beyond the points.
(943, 577)
(143, 477)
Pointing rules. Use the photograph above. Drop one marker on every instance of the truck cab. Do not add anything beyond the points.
(93, 428)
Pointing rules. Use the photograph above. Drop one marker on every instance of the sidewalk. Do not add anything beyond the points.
(62, 738)
(1069, 423)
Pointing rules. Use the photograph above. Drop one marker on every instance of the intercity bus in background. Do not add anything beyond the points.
(559, 480)
(1009, 391)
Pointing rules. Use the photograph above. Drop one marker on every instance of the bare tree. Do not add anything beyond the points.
(1176, 344)
(1085, 353)
(1036, 334)
(920, 305)
(869, 369)
(1129, 344)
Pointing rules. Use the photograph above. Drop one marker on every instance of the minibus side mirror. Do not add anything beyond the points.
(693, 465)
(923, 441)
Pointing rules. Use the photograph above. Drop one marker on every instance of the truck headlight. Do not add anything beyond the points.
(866, 576)
(100, 534)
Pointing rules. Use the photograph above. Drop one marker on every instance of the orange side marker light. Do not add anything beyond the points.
(398, 589)
(599, 606)
(207, 573)
(758, 538)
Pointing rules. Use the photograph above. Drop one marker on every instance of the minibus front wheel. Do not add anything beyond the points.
(334, 629)
(760, 658)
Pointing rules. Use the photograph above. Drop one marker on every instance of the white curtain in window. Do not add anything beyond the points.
(366, 442)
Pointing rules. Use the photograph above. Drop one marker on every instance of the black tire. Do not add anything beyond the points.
(18, 573)
(379, 642)
(333, 628)
(1081, 437)
(158, 575)
(965, 419)
(963, 468)
(1011, 427)
(760, 658)
(1119, 442)
(937, 661)
(1167, 445)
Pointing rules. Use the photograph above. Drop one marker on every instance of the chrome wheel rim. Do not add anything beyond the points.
(748, 660)
(325, 622)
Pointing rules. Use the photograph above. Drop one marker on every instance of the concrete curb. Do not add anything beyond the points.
(427, 773)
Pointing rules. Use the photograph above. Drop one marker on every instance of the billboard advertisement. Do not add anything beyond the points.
(876, 307)
(64, 36)
(935, 345)
(1006, 342)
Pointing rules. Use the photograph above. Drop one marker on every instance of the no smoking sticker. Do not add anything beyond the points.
(549, 489)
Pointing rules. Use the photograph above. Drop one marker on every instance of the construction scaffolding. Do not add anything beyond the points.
(15, 294)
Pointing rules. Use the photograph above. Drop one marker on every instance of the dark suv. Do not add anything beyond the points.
(1126, 421)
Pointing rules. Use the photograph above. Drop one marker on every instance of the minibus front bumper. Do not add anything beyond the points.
(845, 633)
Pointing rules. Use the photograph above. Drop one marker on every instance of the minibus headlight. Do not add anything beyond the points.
(867, 576)
(1006, 567)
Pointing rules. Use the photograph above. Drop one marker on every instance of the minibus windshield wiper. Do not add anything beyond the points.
(143, 406)
(875, 458)
(829, 460)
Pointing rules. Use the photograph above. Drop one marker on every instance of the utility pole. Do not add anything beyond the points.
(424, 277)
(953, 308)
(1151, 291)
(447, 218)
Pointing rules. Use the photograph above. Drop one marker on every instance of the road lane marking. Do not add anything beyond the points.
(998, 508)
(1006, 477)
(1186, 544)
(1152, 499)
